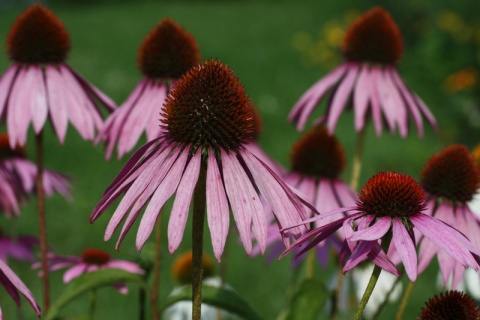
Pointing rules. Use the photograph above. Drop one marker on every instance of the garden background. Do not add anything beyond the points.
(278, 49)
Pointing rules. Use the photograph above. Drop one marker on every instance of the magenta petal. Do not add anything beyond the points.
(406, 248)
(181, 205)
(164, 191)
(38, 104)
(380, 259)
(218, 213)
(18, 111)
(74, 272)
(427, 251)
(375, 101)
(125, 265)
(58, 102)
(401, 116)
(359, 254)
(6, 82)
(375, 232)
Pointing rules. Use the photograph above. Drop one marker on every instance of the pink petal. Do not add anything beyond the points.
(218, 214)
(125, 265)
(427, 251)
(406, 248)
(386, 100)
(397, 102)
(375, 100)
(18, 111)
(74, 272)
(58, 102)
(361, 97)
(179, 213)
(375, 232)
(6, 82)
(38, 104)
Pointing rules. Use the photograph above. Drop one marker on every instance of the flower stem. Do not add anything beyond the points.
(199, 204)
(93, 303)
(357, 160)
(403, 304)
(368, 292)
(386, 300)
(310, 264)
(336, 294)
(42, 223)
(156, 268)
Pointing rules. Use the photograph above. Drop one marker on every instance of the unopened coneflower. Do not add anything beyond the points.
(13, 285)
(39, 85)
(200, 154)
(90, 260)
(317, 161)
(166, 53)
(389, 209)
(14, 161)
(450, 305)
(372, 48)
(451, 179)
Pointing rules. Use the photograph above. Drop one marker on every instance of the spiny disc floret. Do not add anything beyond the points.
(168, 51)
(318, 154)
(38, 36)
(374, 38)
(391, 194)
(450, 305)
(209, 108)
(452, 174)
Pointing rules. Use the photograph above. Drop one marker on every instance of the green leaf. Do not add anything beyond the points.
(91, 281)
(225, 299)
(308, 301)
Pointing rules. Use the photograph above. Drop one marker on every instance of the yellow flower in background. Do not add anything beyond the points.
(463, 79)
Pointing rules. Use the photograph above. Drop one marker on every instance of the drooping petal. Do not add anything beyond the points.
(6, 82)
(18, 111)
(74, 272)
(406, 248)
(361, 97)
(38, 103)
(125, 265)
(181, 205)
(218, 213)
(375, 232)
(58, 101)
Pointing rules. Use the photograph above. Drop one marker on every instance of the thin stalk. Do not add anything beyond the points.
(357, 160)
(42, 223)
(403, 304)
(310, 264)
(336, 294)
(93, 304)
(199, 205)
(368, 292)
(156, 268)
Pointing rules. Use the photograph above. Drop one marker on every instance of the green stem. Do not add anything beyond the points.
(156, 268)
(199, 204)
(336, 294)
(386, 300)
(357, 160)
(310, 264)
(368, 292)
(42, 223)
(93, 304)
(403, 304)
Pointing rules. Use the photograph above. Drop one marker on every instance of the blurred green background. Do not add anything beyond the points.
(278, 49)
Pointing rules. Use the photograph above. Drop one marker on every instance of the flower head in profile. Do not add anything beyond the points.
(19, 248)
(12, 283)
(388, 213)
(317, 161)
(14, 161)
(91, 260)
(40, 85)
(451, 179)
(368, 78)
(207, 120)
(166, 53)
(450, 305)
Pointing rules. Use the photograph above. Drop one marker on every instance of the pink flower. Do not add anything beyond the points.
(90, 261)
(451, 179)
(166, 53)
(372, 47)
(207, 121)
(40, 85)
(13, 285)
(19, 248)
(390, 206)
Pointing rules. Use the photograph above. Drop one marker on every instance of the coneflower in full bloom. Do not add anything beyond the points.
(372, 48)
(166, 53)
(207, 119)
(450, 305)
(40, 85)
(389, 210)
(451, 178)
(14, 285)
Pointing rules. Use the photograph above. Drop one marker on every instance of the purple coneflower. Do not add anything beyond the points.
(450, 305)
(451, 178)
(18, 248)
(14, 162)
(13, 285)
(91, 260)
(39, 84)
(165, 54)
(207, 119)
(372, 48)
(390, 208)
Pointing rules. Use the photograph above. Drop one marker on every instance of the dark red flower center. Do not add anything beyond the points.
(318, 154)
(182, 267)
(38, 36)
(452, 174)
(374, 37)
(95, 256)
(391, 194)
(7, 152)
(208, 107)
(168, 51)
(450, 305)
(257, 124)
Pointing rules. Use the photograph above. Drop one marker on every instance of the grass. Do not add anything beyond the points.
(255, 39)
